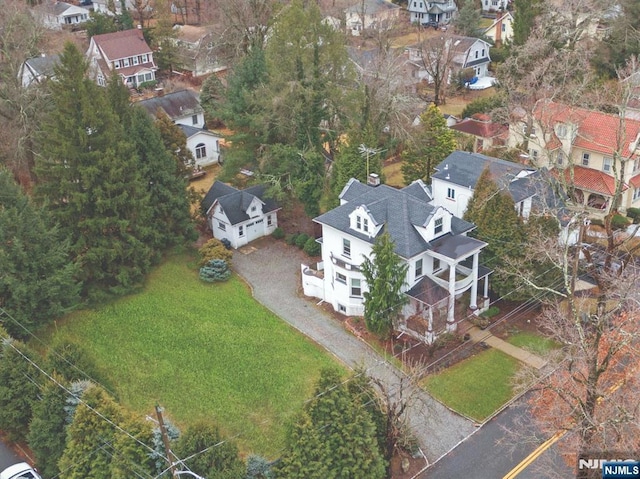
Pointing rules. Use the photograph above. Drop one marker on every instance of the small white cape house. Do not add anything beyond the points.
(37, 69)
(371, 15)
(240, 216)
(456, 177)
(501, 30)
(125, 53)
(442, 259)
(56, 15)
(184, 109)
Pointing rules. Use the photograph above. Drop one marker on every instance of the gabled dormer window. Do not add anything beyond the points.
(365, 225)
(358, 223)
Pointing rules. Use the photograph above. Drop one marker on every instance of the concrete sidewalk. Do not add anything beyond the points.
(482, 336)
(272, 269)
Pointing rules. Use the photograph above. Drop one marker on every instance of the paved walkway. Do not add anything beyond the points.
(273, 269)
(478, 335)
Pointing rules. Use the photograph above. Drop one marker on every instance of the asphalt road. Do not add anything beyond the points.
(7, 457)
(492, 451)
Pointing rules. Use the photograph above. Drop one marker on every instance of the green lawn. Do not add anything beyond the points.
(203, 351)
(532, 342)
(477, 386)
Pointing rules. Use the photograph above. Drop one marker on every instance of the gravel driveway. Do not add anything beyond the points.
(273, 270)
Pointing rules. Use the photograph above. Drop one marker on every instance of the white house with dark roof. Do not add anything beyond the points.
(204, 145)
(431, 12)
(240, 216)
(125, 53)
(371, 14)
(456, 177)
(55, 15)
(442, 259)
(184, 109)
(37, 69)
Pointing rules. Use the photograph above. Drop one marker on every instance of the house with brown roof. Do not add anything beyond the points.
(125, 53)
(596, 153)
(481, 133)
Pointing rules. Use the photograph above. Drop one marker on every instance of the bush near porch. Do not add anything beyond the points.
(203, 351)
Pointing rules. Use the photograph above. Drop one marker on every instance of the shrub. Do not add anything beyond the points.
(215, 270)
(491, 312)
(214, 249)
(312, 247)
(278, 233)
(301, 240)
(483, 105)
(291, 239)
(634, 214)
(619, 222)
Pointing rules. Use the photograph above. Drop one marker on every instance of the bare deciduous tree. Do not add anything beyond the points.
(436, 57)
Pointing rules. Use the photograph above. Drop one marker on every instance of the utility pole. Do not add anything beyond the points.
(165, 440)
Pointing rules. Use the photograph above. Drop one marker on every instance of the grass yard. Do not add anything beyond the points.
(475, 387)
(203, 351)
(532, 342)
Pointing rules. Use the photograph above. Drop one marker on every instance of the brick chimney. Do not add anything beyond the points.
(499, 16)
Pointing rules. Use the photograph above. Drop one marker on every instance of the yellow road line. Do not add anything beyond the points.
(534, 455)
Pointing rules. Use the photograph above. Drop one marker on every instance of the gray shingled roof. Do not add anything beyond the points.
(372, 7)
(235, 202)
(398, 210)
(176, 104)
(190, 131)
(463, 169)
(43, 65)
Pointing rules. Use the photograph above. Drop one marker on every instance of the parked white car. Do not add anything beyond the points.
(21, 470)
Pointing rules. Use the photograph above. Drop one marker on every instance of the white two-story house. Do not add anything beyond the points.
(371, 14)
(442, 260)
(431, 12)
(240, 216)
(455, 180)
(125, 53)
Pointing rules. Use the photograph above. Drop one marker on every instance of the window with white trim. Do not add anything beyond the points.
(269, 221)
(606, 164)
(437, 226)
(341, 278)
(636, 194)
(358, 223)
(560, 157)
(201, 151)
(346, 247)
(222, 226)
(451, 194)
(365, 225)
(194, 119)
(585, 159)
(418, 269)
(241, 230)
(356, 289)
(561, 131)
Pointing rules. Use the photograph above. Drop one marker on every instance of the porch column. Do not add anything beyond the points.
(473, 304)
(430, 337)
(451, 320)
(486, 286)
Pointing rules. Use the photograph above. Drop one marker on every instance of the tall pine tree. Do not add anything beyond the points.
(493, 212)
(90, 177)
(37, 282)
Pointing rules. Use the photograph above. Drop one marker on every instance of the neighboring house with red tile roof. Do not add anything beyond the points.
(125, 53)
(482, 132)
(597, 152)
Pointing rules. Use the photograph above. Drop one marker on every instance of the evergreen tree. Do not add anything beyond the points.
(212, 98)
(524, 19)
(90, 178)
(175, 142)
(131, 458)
(19, 387)
(100, 23)
(467, 22)
(37, 282)
(432, 144)
(497, 223)
(334, 437)
(220, 461)
(47, 430)
(385, 276)
(90, 437)
(215, 270)
(349, 163)
(170, 209)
